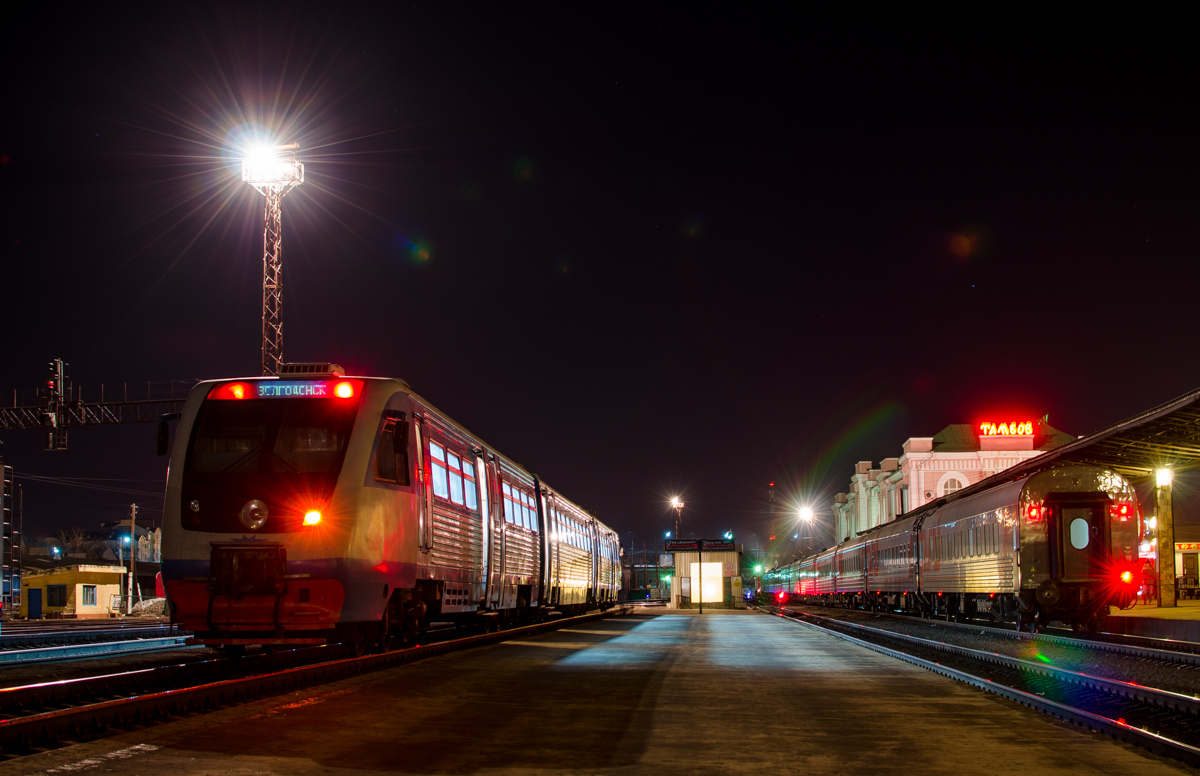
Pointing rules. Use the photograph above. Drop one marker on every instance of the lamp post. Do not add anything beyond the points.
(273, 171)
(1166, 538)
(677, 505)
(805, 513)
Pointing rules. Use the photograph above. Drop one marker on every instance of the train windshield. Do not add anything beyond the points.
(271, 436)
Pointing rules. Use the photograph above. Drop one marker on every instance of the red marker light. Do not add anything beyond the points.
(344, 390)
(230, 391)
(1126, 576)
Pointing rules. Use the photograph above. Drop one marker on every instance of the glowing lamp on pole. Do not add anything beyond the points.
(273, 171)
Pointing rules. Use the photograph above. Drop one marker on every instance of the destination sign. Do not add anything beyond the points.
(306, 388)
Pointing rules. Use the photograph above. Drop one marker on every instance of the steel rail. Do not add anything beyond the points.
(1114, 728)
(1123, 644)
(19, 735)
(66, 636)
(97, 649)
(1163, 698)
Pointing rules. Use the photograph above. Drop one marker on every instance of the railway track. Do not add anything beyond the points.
(1169, 651)
(1167, 723)
(52, 714)
(23, 635)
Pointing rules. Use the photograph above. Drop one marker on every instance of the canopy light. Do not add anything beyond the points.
(1163, 477)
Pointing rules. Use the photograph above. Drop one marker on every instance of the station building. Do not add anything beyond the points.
(931, 467)
(80, 592)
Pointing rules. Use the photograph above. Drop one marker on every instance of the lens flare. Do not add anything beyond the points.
(964, 245)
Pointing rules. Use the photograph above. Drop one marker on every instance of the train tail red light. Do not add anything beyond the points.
(1127, 577)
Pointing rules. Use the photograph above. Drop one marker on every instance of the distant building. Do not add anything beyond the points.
(931, 467)
(72, 592)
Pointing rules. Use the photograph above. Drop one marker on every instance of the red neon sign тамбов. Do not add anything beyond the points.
(1006, 429)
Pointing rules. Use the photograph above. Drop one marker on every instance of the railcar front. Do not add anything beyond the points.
(268, 537)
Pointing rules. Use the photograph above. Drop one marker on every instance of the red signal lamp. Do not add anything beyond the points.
(232, 391)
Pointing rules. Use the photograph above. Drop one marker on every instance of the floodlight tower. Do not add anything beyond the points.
(273, 171)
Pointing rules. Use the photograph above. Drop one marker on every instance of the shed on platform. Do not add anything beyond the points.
(708, 572)
(81, 592)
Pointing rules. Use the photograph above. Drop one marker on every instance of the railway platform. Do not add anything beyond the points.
(1180, 622)
(653, 692)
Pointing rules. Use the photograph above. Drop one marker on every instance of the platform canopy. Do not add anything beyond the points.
(1166, 436)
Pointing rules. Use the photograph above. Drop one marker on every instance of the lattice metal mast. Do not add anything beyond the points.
(273, 172)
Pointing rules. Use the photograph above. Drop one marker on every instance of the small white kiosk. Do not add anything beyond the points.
(707, 573)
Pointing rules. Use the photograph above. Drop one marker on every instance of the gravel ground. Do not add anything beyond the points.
(1183, 679)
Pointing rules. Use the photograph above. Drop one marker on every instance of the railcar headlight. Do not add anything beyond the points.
(253, 514)
(312, 517)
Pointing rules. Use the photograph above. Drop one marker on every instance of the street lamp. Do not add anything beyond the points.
(273, 171)
(677, 505)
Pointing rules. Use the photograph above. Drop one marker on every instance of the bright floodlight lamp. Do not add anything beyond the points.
(1163, 477)
(677, 505)
(273, 171)
(806, 514)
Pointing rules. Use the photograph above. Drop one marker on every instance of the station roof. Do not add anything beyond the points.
(1166, 436)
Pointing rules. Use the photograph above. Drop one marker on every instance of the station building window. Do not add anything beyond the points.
(952, 485)
(56, 595)
(89, 595)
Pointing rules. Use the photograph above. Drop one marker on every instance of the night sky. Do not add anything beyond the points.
(644, 250)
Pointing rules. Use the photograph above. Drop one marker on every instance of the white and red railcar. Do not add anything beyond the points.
(315, 507)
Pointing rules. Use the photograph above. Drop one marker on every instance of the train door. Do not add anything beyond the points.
(424, 491)
(485, 522)
(1190, 567)
(35, 603)
(1078, 529)
(540, 501)
(498, 534)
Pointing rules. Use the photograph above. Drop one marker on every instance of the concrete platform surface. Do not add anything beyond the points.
(1184, 609)
(1180, 622)
(651, 693)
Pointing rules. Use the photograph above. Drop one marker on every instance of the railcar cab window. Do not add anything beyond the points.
(271, 436)
(391, 457)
